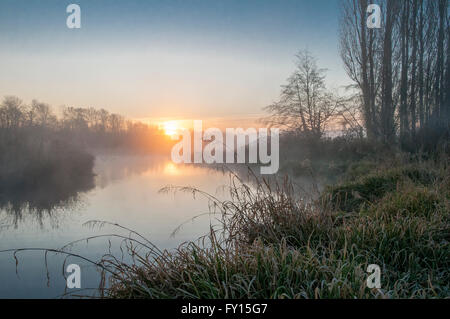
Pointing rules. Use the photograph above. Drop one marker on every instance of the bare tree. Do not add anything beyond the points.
(351, 116)
(305, 104)
(360, 53)
(399, 70)
(12, 113)
(42, 114)
(404, 49)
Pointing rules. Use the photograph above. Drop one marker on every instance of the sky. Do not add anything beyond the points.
(165, 59)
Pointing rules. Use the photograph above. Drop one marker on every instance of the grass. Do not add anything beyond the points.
(368, 188)
(273, 245)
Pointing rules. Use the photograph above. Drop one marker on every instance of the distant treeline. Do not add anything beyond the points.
(40, 151)
(85, 127)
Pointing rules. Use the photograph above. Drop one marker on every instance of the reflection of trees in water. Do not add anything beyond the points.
(111, 168)
(45, 202)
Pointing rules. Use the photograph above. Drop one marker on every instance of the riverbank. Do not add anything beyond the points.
(271, 244)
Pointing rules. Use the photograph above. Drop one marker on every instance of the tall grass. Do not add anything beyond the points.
(272, 244)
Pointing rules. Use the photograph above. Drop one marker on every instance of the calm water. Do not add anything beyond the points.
(124, 191)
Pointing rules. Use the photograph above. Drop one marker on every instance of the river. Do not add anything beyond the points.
(125, 191)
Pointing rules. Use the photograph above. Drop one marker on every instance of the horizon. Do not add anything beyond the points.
(220, 61)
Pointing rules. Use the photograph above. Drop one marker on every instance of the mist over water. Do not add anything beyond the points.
(124, 191)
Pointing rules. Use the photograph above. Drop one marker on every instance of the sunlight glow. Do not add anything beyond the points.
(171, 169)
(171, 128)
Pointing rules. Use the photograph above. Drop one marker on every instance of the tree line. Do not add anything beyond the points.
(402, 70)
(400, 93)
(40, 150)
(86, 127)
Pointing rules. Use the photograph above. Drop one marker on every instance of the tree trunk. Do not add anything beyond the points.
(413, 70)
(404, 72)
(387, 112)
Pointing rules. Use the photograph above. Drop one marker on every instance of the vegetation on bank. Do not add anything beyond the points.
(274, 245)
(40, 167)
(45, 158)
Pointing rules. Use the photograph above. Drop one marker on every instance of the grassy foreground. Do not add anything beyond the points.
(272, 245)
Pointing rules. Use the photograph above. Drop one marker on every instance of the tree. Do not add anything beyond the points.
(360, 53)
(387, 103)
(41, 114)
(11, 113)
(400, 70)
(305, 105)
(404, 48)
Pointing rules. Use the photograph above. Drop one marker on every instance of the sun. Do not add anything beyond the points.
(170, 128)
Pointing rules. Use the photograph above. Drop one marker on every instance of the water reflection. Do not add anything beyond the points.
(44, 202)
(52, 199)
(124, 190)
(113, 168)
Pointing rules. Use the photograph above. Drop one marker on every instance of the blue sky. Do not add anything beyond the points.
(166, 58)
